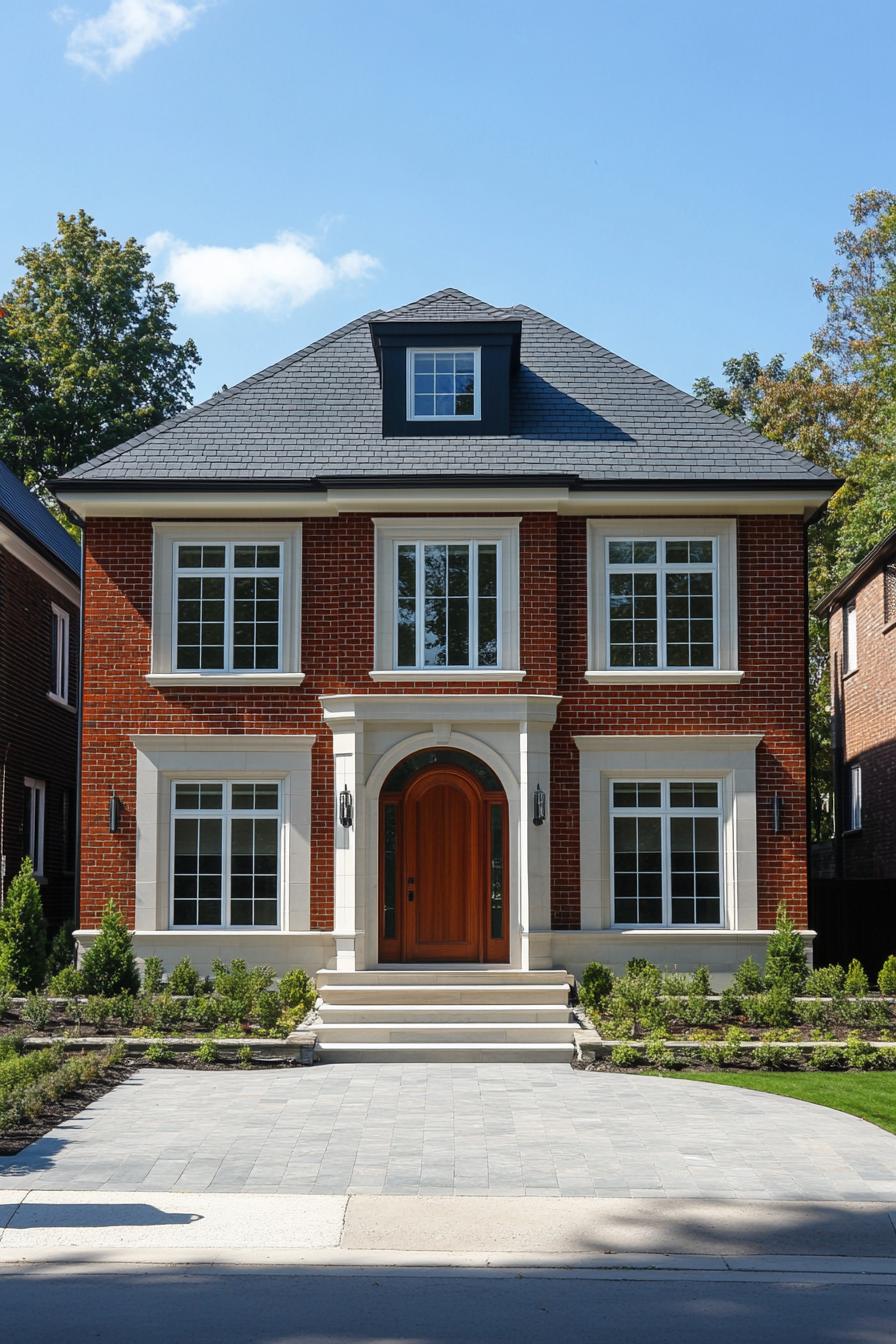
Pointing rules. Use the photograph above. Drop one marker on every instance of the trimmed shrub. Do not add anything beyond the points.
(164, 1013)
(814, 1013)
(158, 1054)
(153, 971)
(23, 938)
(774, 1008)
(266, 1010)
(700, 981)
(109, 965)
(856, 981)
(861, 1054)
(785, 959)
(124, 1008)
(595, 986)
(206, 1053)
(886, 980)
(730, 1004)
(776, 1058)
(297, 990)
(61, 955)
(239, 987)
(206, 1010)
(698, 1011)
(724, 1054)
(638, 965)
(828, 1058)
(826, 981)
(184, 979)
(37, 1011)
(748, 978)
(659, 1056)
(625, 1056)
(66, 983)
(98, 1011)
(244, 1056)
(635, 998)
(676, 984)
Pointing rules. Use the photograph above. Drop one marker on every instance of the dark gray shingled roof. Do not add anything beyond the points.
(577, 411)
(24, 513)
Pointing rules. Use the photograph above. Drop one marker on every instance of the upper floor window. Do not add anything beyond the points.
(443, 384)
(59, 653)
(447, 597)
(447, 604)
(889, 594)
(854, 814)
(226, 602)
(663, 600)
(850, 639)
(33, 816)
(225, 860)
(666, 852)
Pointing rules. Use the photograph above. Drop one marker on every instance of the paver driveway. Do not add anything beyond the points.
(457, 1129)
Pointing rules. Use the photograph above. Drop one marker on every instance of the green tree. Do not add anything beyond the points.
(785, 958)
(87, 355)
(109, 966)
(23, 935)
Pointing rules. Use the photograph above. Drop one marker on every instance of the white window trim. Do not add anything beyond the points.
(850, 639)
(33, 843)
(729, 759)
(389, 533)
(855, 799)
(476, 352)
(666, 813)
(166, 537)
(60, 672)
(723, 531)
(226, 815)
(163, 758)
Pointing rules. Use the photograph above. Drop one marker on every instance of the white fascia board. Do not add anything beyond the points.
(284, 503)
(27, 555)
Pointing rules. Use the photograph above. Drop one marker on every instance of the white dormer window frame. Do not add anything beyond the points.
(418, 383)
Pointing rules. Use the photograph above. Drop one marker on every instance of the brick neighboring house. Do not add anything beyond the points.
(40, 569)
(861, 612)
(451, 640)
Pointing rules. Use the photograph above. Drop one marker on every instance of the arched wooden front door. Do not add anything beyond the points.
(443, 861)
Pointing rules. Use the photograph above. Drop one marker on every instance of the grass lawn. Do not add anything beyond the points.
(871, 1096)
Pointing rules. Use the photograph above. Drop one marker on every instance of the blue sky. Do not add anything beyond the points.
(662, 177)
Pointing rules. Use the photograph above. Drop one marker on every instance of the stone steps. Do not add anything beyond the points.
(462, 1014)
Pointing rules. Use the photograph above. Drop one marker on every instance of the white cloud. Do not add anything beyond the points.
(114, 40)
(267, 278)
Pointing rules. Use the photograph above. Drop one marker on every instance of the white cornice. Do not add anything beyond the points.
(284, 503)
(445, 708)
(669, 742)
(36, 562)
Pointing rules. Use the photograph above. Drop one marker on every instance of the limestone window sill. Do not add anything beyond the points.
(446, 674)
(236, 680)
(709, 676)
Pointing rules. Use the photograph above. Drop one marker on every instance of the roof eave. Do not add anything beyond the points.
(876, 557)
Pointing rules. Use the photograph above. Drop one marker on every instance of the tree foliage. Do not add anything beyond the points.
(23, 937)
(87, 351)
(109, 966)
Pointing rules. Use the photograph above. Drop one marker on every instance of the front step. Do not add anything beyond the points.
(441, 1052)
(465, 1014)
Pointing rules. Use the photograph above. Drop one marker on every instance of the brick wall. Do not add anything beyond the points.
(38, 738)
(337, 655)
(865, 702)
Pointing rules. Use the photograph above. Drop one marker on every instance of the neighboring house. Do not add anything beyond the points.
(40, 571)
(452, 638)
(861, 612)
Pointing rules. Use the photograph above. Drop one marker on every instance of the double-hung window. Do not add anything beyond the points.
(33, 819)
(225, 853)
(850, 639)
(59, 653)
(228, 604)
(666, 852)
(447, 604)
(443, 384)
(661, 602)
(854, 814)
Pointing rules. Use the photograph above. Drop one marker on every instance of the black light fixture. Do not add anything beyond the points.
(346, 808)
(777, 814)
(539, 806)
(114, 812)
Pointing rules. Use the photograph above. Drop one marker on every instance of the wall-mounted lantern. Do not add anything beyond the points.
(346, 808)
(114, 812)
(777, 814)
(539, 806)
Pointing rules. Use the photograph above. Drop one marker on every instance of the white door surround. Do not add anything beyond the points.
(372, 733)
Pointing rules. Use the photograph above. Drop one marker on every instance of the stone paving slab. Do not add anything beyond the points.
(461, 1129)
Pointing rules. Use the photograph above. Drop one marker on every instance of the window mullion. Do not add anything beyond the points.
(228, 606)
(226, 812)
(666, 857)
(418, 633)
(662, 658)
(473, 613)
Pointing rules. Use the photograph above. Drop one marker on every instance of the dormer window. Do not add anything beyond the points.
(443, 384)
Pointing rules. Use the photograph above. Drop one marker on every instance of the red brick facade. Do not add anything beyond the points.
(337, 656)
(865, 732)
(38, 738)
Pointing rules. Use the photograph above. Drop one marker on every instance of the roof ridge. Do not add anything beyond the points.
(427, 300)
(702, 407)
(217, 397)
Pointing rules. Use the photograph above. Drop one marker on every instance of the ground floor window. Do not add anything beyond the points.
(666, 852)
(34, 810)
(225, 868)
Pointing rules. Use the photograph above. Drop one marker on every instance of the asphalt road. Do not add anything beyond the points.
(438, 1307)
